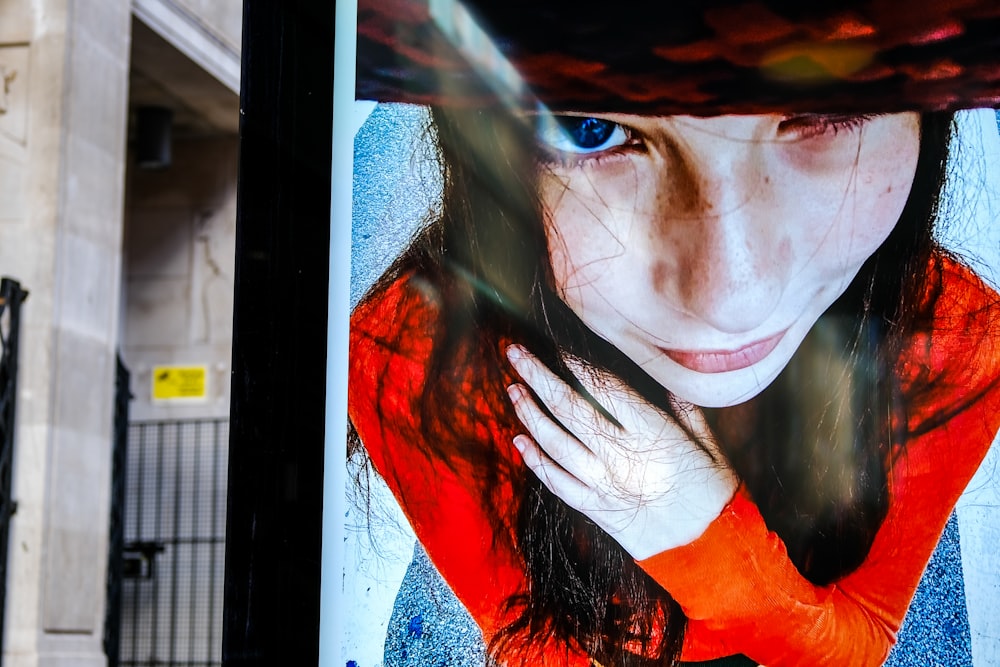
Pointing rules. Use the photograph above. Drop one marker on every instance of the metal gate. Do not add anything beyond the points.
(173, 548)
(116, 527)
(11, 297)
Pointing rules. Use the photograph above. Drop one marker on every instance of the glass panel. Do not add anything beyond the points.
(664, 344)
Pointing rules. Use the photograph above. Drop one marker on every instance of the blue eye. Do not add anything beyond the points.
(580, 134)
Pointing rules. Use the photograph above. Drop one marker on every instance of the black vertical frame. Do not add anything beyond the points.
(272, 587)
(11, 297)
(116, 524)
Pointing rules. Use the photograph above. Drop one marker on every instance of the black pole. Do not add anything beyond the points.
(273, 541)
(11, 298)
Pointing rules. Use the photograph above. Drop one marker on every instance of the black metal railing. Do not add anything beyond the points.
(11, 298)
(174, 544)
(116, 526)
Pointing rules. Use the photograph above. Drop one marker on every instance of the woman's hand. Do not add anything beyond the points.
(646, 483)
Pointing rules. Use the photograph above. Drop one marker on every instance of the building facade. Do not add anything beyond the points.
(119, 259)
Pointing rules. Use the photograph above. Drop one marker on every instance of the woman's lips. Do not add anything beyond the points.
(721, 361)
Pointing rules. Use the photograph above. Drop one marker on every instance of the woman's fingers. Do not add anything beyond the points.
(624, 414)
(553, 476)
(571, 409)
(606, 389)
(648, 482)
(562, 448)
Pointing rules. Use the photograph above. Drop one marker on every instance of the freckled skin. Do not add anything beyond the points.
(712, 234)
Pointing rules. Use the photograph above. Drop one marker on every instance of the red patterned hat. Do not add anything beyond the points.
(703, 57)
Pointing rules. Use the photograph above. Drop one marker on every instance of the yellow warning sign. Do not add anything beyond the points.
(173, 382)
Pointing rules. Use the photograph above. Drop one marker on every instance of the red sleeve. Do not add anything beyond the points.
(389, 346)
(736, 583)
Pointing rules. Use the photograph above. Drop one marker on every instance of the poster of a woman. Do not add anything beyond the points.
(674, 359)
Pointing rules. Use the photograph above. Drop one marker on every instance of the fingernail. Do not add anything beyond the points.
(514, 392)
(520, 442)
(515, 353)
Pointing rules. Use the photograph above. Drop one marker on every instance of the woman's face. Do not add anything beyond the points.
(706, 248)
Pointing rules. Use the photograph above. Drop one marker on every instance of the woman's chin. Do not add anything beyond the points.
(704, 380)
(719, 390)
(717, 399)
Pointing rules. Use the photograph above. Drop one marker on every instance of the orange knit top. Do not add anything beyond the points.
(735, 583)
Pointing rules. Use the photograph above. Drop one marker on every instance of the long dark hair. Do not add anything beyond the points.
(813, 452)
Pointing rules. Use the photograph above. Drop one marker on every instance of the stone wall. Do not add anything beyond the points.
(179, 264)
(64, 118)
(63, 150)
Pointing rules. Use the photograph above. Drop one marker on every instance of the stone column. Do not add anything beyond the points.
(63, 117)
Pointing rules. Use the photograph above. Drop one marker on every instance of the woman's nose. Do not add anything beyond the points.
(726, 244)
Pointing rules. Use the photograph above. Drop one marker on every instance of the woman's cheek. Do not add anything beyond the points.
(569, 245)
(867, 201)
(875, 219)
(885, 181)
(585, 239)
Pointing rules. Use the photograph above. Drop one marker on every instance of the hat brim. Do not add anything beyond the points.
(694, 57)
